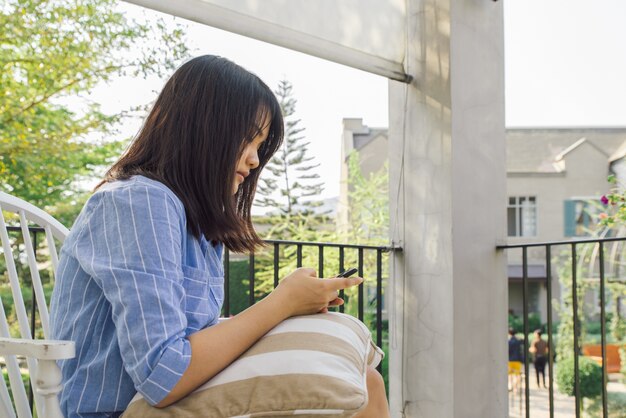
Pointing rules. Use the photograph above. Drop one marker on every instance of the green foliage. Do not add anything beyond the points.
(369, 218)
(617, 325)
(25, 381)
(616, 405)
(238, 285)
(517, 323)
(565, 330)
(55, 52)
(590, 377)
(368, 198)
(594, 327)
(615, 219)
(6, 296)
(289, 173)
(615, 203)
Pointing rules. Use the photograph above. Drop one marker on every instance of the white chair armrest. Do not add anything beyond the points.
(39, 349)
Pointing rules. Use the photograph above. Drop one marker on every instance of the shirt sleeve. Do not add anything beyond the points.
(131, 246)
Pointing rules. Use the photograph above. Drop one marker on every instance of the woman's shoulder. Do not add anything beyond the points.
(142, 190)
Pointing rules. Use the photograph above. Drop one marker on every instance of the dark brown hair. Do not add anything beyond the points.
(193, 138)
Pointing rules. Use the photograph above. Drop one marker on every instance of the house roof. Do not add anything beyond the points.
(362, 139)
(537, 150)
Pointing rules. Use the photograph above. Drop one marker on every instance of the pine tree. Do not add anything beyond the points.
(288, 179)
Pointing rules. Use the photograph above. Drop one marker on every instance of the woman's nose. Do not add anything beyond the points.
(253, 157)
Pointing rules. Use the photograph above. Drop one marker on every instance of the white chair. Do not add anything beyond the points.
(41, 355)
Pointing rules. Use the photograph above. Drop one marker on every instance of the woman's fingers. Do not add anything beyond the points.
(338, 283)
(336, 302)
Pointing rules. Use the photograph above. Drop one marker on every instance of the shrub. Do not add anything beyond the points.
(593, 327)
(238, 285)
(589, 373)
(517, 322)
(616, 405)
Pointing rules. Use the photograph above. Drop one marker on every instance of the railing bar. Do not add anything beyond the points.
(34, 275)
(341, 269)
(320, 261)
(31, 228)
(276, 263)
(605, 410)
(563, 242)
(361, 287)
(575, 318)
(251, 279)
(550, 344)
(379, 303)
(384, 248)
(525, 312)
(226, 282)
(32, 318)
(299, 255)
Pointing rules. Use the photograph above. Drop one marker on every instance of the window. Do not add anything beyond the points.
(522, 216)
(579, 216)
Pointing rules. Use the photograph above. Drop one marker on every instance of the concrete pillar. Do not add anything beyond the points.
(448, 194)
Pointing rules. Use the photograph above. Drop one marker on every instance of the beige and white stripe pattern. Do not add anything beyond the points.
(306, 366)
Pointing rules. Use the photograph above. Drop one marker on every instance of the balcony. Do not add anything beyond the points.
(446, 294)
(594, 280)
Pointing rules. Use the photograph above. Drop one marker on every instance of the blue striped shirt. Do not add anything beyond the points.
(131, 286)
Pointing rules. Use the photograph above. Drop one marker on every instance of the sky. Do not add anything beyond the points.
(565, 65)
(565, 62)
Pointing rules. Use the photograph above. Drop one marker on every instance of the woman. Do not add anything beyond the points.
(140, 282)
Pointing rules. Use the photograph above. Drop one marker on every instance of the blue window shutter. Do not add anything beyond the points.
(569, 217)
(586, 216)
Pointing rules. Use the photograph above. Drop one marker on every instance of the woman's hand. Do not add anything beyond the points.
(303, 293)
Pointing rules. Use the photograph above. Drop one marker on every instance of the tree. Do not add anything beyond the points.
(53, 50)
(368, 225)
(288, 179)
(369, 204)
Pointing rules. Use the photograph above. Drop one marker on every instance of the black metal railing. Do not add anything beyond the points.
(364, 254)
(573, 245)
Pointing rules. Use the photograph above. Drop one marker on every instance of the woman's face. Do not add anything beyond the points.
(249, 159)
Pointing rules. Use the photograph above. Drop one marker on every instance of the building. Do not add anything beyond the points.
(555, 179)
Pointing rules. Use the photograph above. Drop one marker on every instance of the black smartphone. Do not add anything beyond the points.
(348, 273)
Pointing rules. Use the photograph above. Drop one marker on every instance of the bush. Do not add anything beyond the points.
(589, 373)
(238, 285)
(517, 323)
(25, 381)
(594, 327)
(616, 403)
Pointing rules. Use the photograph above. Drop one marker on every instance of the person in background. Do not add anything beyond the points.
(540, 350)
(516, 359)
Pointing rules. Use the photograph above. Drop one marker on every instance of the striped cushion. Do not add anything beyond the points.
(307, 365)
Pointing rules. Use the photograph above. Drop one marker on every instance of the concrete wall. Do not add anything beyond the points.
(447, 158)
